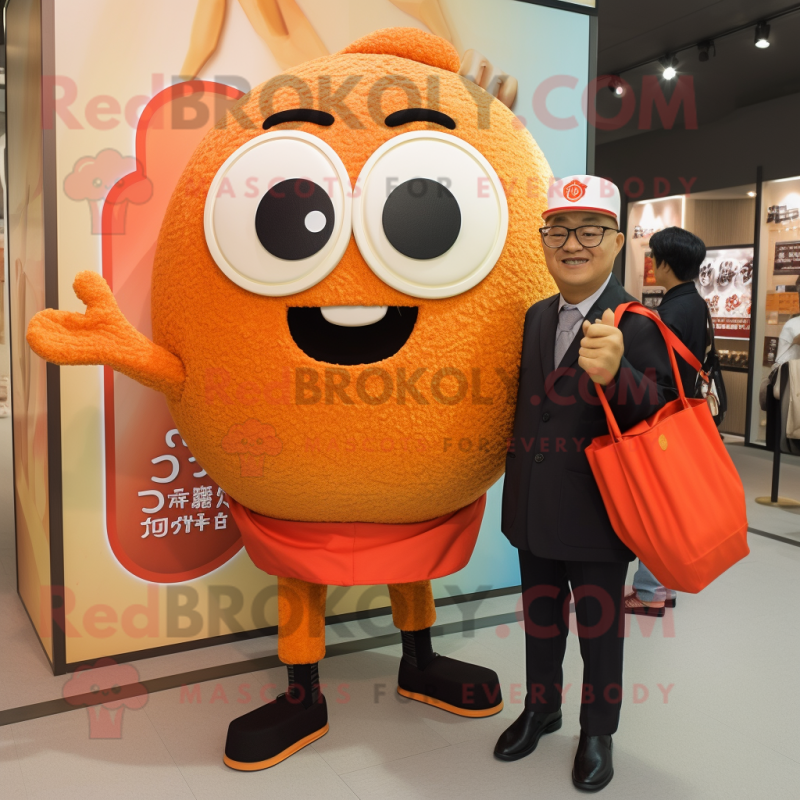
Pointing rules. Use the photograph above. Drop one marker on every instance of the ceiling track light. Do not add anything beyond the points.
(707, 49)
(616, 86)
(670, 65)
(762, 35)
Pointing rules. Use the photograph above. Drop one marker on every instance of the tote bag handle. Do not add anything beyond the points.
(674, 344)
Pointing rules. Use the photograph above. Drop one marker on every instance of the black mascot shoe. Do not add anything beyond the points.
(520, 739)
(593, 768)
(464, 689)
(274, 732)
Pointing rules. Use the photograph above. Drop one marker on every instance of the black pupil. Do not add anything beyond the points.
(283, 224)
(421, 219)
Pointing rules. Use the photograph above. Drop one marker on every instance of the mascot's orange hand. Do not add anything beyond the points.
(103, 336)
(601, 349)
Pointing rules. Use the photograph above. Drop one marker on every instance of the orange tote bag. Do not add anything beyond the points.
(669, 486)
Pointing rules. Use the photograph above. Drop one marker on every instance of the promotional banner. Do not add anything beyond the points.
(787, 258)
(146, 532)
(726, 284)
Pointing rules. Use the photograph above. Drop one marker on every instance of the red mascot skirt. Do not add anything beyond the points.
(360, 553)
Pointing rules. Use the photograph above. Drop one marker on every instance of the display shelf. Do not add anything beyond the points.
(778, 270)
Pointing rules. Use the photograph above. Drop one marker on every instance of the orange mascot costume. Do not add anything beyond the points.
(369, 223)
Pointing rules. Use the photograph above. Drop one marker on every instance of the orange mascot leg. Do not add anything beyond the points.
(412, 605)
(301, 621)
(268, 735)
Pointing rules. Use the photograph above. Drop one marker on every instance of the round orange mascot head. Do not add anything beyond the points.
(344, 270)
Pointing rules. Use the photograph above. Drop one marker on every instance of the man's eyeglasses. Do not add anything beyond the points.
(588, 235)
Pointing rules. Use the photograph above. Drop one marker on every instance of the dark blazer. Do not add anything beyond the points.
(685, 312)
(551, 503)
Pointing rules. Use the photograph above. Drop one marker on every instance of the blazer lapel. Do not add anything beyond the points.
(547, 337)
(613, 296)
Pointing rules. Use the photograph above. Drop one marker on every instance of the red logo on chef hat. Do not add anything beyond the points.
(574, 191)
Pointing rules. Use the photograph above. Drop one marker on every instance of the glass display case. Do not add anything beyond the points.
(777, 300)
(725, 220)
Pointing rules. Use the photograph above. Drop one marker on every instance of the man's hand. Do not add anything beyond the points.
(601, 349)
(796, 339)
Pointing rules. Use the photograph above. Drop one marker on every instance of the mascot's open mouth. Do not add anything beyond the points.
(350, 335)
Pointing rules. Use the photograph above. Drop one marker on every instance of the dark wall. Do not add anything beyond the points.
(715, 156)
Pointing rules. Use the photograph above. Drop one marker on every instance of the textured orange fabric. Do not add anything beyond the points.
(301, 621)
(410, 43)
(670, 487)
(412, 605)
(361, 553)
(389, 462)
(301, 616)
(103, 336)
(392, 462)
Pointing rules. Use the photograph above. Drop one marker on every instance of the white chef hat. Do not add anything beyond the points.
(583, 193)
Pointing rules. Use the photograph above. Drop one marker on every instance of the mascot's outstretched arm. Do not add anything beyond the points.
(103, 336)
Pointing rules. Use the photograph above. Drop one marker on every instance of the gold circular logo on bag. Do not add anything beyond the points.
(662, 440)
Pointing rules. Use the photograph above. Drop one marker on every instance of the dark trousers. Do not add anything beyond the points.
(597, 589)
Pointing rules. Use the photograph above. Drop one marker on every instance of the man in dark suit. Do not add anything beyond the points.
(552, 509)
(678, 256)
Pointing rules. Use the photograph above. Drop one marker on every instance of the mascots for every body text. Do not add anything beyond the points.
(384, 242)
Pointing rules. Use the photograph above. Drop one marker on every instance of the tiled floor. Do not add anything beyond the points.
(727, 660)
(755, 467)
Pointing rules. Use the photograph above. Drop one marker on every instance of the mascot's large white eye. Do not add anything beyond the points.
(431, 218)
(277, 215)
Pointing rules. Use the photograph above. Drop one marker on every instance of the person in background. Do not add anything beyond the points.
(789, 341)
(678, 255)
(788, 350)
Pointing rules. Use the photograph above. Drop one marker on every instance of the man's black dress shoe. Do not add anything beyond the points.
(521, 738)
(593, 768)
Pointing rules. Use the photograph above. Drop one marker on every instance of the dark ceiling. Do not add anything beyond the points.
(634, 31)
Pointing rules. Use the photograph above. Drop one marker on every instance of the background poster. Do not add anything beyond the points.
(649, 278)
(726, 284)
(770, 350)
(787, 258)
(110, 59)
(651, 298)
